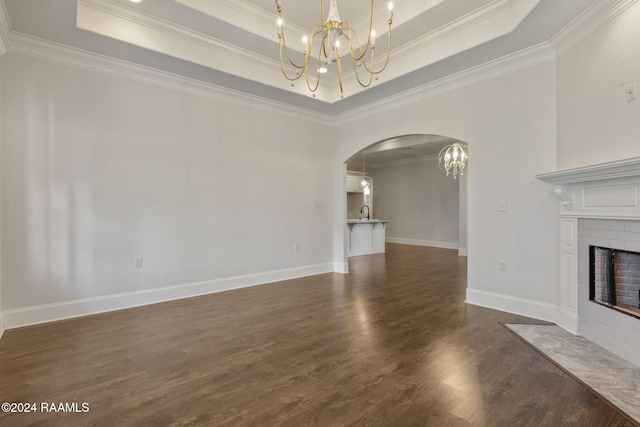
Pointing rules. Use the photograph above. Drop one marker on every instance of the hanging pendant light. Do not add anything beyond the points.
(452, 159)
(364, 183)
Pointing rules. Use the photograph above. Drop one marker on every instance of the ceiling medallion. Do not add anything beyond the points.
(329, 38)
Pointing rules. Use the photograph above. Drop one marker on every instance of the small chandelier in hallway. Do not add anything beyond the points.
(453, 159)
(329, 36)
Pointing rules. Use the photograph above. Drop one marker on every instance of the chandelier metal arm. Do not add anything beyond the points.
(355, 71)
(386, 62)
(349, 34)
(339, 73)
(330, 32)
(306, 73)
(283, 42)
(349, 30)
(284, 72)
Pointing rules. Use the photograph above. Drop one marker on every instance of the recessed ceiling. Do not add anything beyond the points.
(233, 44)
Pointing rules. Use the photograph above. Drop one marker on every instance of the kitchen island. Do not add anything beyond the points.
(366, 236)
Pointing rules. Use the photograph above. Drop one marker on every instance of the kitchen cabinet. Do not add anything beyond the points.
(366, 236)
(354, 183)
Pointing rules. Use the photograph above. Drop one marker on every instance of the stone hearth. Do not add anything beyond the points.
(599, 206)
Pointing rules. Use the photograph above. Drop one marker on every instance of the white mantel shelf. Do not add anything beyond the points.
(602, 171)
(608, 191)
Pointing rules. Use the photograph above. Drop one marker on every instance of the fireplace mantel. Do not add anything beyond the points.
(600, 203)
(606, 190)
(602, 171)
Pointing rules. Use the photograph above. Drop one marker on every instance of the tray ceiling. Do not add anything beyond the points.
(233, 44)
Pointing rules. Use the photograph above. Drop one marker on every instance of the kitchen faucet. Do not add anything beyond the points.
(362, 208)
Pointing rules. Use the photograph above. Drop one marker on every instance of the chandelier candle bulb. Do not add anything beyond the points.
(328, 36)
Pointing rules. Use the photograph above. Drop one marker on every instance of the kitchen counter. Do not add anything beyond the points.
(366, 236)
(368, 221)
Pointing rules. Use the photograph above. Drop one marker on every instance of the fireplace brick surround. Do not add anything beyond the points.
(600, 206)
(617, 332)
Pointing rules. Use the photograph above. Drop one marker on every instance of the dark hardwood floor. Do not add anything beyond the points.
(391, 344)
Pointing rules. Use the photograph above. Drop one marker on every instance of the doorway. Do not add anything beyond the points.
(425, 207)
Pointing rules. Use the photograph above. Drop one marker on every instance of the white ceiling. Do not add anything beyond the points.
(233, 43)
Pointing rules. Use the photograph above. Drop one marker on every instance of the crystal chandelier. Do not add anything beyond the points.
(453, 159)
(328, 37)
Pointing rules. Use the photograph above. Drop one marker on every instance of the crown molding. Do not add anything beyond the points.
(588, 22)
(245, 16)
(43, 49)
(5, 29)
(466, 21)
(593, 18)
(108, 17)
(260, 22)
(130, 25)
(526, 58)
(625, 168)
(173, 30)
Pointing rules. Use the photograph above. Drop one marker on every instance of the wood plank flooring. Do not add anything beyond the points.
(390, 344)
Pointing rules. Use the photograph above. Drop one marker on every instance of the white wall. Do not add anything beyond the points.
(510, 125)
(595, 122)
(421, 201)
(354, 205)
(100, 170)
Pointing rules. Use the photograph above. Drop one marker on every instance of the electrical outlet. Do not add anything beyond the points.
(502, 265)
(317, 205)
(296, 246)
(137, 262)
(502, 206)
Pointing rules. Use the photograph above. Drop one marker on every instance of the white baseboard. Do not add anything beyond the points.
(462, 251)
(83, 307)
(418, 242)
(510, 304)
(1, 324)
(341, 267)
(568, 321)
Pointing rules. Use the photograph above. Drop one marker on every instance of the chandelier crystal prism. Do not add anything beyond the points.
(453, 159)
(323, 47)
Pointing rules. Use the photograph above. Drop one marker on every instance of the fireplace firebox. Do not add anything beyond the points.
(615, 279)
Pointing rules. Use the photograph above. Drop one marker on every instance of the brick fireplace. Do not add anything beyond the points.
(600, 207)
(614, 279)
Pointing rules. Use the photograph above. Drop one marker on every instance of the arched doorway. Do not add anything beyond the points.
(425, 207)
